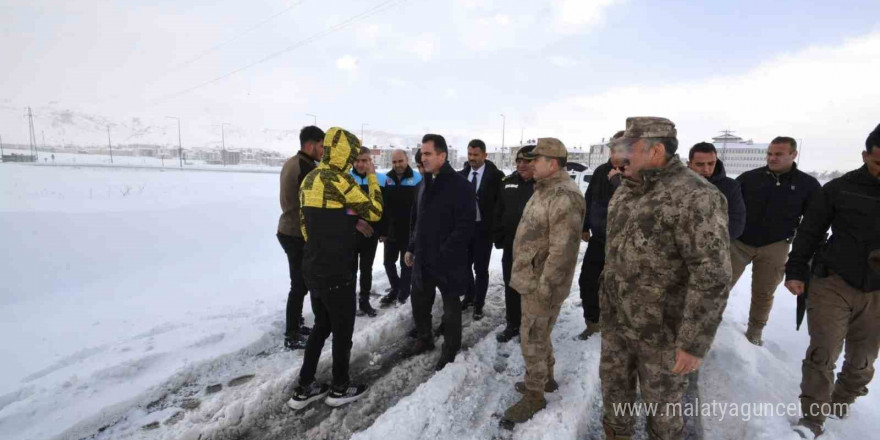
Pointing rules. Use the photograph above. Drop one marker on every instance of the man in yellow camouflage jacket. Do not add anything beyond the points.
(665, 282)
(545, 252)
(331, 203)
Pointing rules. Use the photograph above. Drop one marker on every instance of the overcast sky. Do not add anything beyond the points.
(573, 69)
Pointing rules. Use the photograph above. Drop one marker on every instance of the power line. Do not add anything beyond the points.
(230, 40)
(381, 7)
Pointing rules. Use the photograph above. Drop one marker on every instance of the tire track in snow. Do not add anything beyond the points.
(391, 377)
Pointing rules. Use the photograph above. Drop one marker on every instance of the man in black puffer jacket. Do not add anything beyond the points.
(844, 302)
(516, 190)
(776, 196)
(606, 179)
(703, 160)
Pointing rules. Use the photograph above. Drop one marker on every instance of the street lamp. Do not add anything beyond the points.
(179, 144)
(223, 140)
(362, 133)
(314, 118)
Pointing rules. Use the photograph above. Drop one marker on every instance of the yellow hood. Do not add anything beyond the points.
(341, 149)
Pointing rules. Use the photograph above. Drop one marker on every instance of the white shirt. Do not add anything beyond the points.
(479, 172)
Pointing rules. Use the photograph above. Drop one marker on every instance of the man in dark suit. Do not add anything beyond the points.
(485, 179)
(443, 225)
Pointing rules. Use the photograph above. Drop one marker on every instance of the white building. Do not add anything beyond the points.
(381, 157)
(739, 155)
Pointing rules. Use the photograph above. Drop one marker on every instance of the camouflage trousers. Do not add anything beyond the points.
(630, 363)
(538, 319)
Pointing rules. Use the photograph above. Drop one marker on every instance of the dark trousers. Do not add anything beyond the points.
(400, 285)
(365, 254)
(334, 311)
(293, 247)
(422, 303)
(512, 303)
(591, 271)
(479, 253)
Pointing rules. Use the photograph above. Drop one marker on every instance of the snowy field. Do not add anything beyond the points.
(142, 304)
(104, 160)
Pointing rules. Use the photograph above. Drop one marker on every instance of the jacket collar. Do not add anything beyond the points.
(302, 155)
(720, 173)
(406, 174)
(487, 167)
(788, 174)
(651, 176)
(446, 169)
(518, 177)
(553, 180)
(863, 176)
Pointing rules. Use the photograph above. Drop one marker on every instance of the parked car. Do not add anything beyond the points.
(580, 174)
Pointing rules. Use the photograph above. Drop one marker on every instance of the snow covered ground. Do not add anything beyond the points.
(141, 304)
(104, 160)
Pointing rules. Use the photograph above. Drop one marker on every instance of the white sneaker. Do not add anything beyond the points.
(350, 394)
(303, 396)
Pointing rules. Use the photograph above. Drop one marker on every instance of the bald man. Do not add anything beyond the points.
(400, 191)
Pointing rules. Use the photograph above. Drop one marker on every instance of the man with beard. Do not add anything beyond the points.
(289, 234)
(485, 179)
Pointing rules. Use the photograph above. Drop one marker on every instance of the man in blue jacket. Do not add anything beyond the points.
(776, 196)
(443, 218)
(703, 160)
(366, 235)
(400, 192)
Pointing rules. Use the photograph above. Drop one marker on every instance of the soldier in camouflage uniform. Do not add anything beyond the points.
(545, 253)
(665, 282)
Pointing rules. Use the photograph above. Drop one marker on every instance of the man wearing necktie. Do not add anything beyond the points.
(485, 178)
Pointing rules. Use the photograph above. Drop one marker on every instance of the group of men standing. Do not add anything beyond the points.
(674, 248)
(666, 242)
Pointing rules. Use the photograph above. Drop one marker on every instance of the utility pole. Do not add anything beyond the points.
(109, 145)
(522, 131)
(1, 148)
(223, 140)
(314, 118)
(801, 148)
(503, 124)
(362, 133)
(31, 136)
(179, 143)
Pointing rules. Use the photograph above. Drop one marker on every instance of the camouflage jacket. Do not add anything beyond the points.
(667, 265)
(545, 249)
